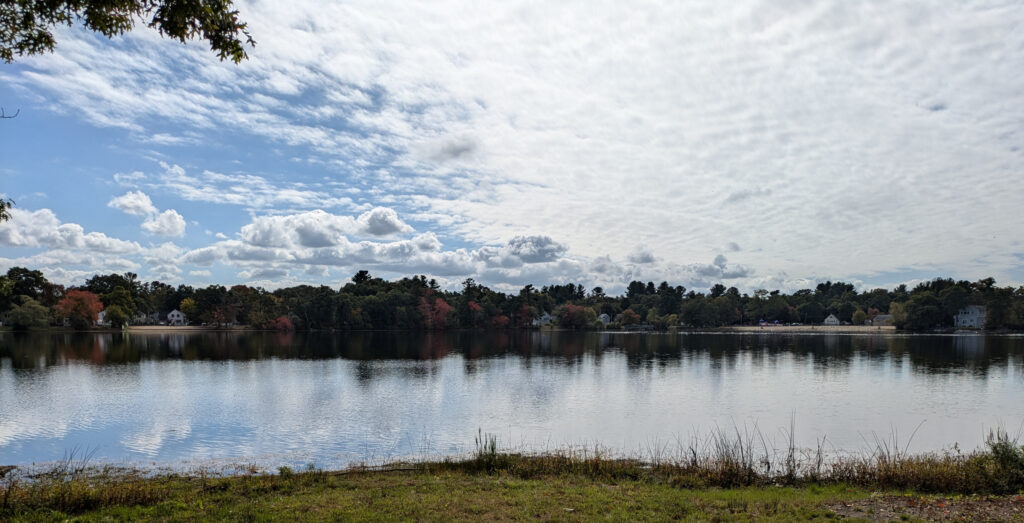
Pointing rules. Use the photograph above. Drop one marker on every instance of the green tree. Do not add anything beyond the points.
(924, 311)
(859, 317)
(188, 307)
(899, 314)
(29, 315)
(26, 26)
(117, 317)
(120, 298)
(723, 311)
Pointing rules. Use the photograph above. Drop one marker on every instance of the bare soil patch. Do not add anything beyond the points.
(931, 508)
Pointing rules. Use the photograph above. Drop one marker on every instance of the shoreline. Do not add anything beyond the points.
(727, 482)
(814, 329)
(737, 329)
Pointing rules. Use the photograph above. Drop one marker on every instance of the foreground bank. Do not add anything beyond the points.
(729, 481)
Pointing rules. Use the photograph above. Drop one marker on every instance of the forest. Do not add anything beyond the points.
(28, 300)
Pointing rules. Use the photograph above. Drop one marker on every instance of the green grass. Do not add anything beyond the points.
(447, 495)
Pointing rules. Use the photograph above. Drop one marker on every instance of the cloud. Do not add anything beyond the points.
(245, 190)
(319, 228)
(382, 221)
(535, 249)
(641, 255)
(167, 223)
(41, 228)
(775, 128)
(133, 202)
(745, 194)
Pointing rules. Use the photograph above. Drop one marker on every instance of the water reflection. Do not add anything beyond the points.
(337, 398)
(929, 354)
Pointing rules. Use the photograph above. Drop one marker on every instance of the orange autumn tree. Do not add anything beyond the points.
(82, 308)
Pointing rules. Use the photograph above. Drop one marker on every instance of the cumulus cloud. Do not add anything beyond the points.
(167, 223)
(134, 202)
(535, 249)
(41, 228)
(381, 221)
(319, 228)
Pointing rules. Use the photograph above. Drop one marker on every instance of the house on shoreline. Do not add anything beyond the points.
(970, 317)
(543, 319)
(882, 320)
(176, 318)
(831, 320)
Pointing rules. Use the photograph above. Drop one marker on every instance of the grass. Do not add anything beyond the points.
(446, 495)
(730, 475)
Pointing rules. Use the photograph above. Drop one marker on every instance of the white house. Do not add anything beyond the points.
(831, 320)
(604, 319)
(176, 318)
(543, 319)
(971, 316)
(101, 318)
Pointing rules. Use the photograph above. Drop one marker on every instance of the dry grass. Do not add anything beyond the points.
(734, 459)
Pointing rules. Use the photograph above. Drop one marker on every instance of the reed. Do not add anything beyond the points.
(724, 458)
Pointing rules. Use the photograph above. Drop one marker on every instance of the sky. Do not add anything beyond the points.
(763, 144)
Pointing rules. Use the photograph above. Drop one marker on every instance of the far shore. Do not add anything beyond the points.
(817, 329)
(167, 329)
(748, 329)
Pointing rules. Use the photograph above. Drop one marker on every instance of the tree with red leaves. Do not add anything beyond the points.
(82, 308)
(628, 317)
(575, 316)
(524, 316)
(283, 324)
(434, 312)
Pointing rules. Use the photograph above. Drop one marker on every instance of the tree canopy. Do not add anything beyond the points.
(419, 303)
(26, 26)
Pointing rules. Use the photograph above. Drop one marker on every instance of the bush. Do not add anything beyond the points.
(29, 315)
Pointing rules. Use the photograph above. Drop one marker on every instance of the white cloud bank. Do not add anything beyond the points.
(829, 139)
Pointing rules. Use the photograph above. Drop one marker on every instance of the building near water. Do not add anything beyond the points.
(971, 316)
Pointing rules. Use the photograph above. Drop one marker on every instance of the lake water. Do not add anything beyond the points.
(331, 400)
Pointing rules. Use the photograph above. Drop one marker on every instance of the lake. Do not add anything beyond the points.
(337, 399)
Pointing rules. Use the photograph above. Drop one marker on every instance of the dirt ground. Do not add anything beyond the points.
(933, 508)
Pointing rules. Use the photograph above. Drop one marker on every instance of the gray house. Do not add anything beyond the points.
(971, 316)
(831, 320)
(882, 319)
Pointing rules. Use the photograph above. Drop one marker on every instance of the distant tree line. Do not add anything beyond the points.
(29, 300)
